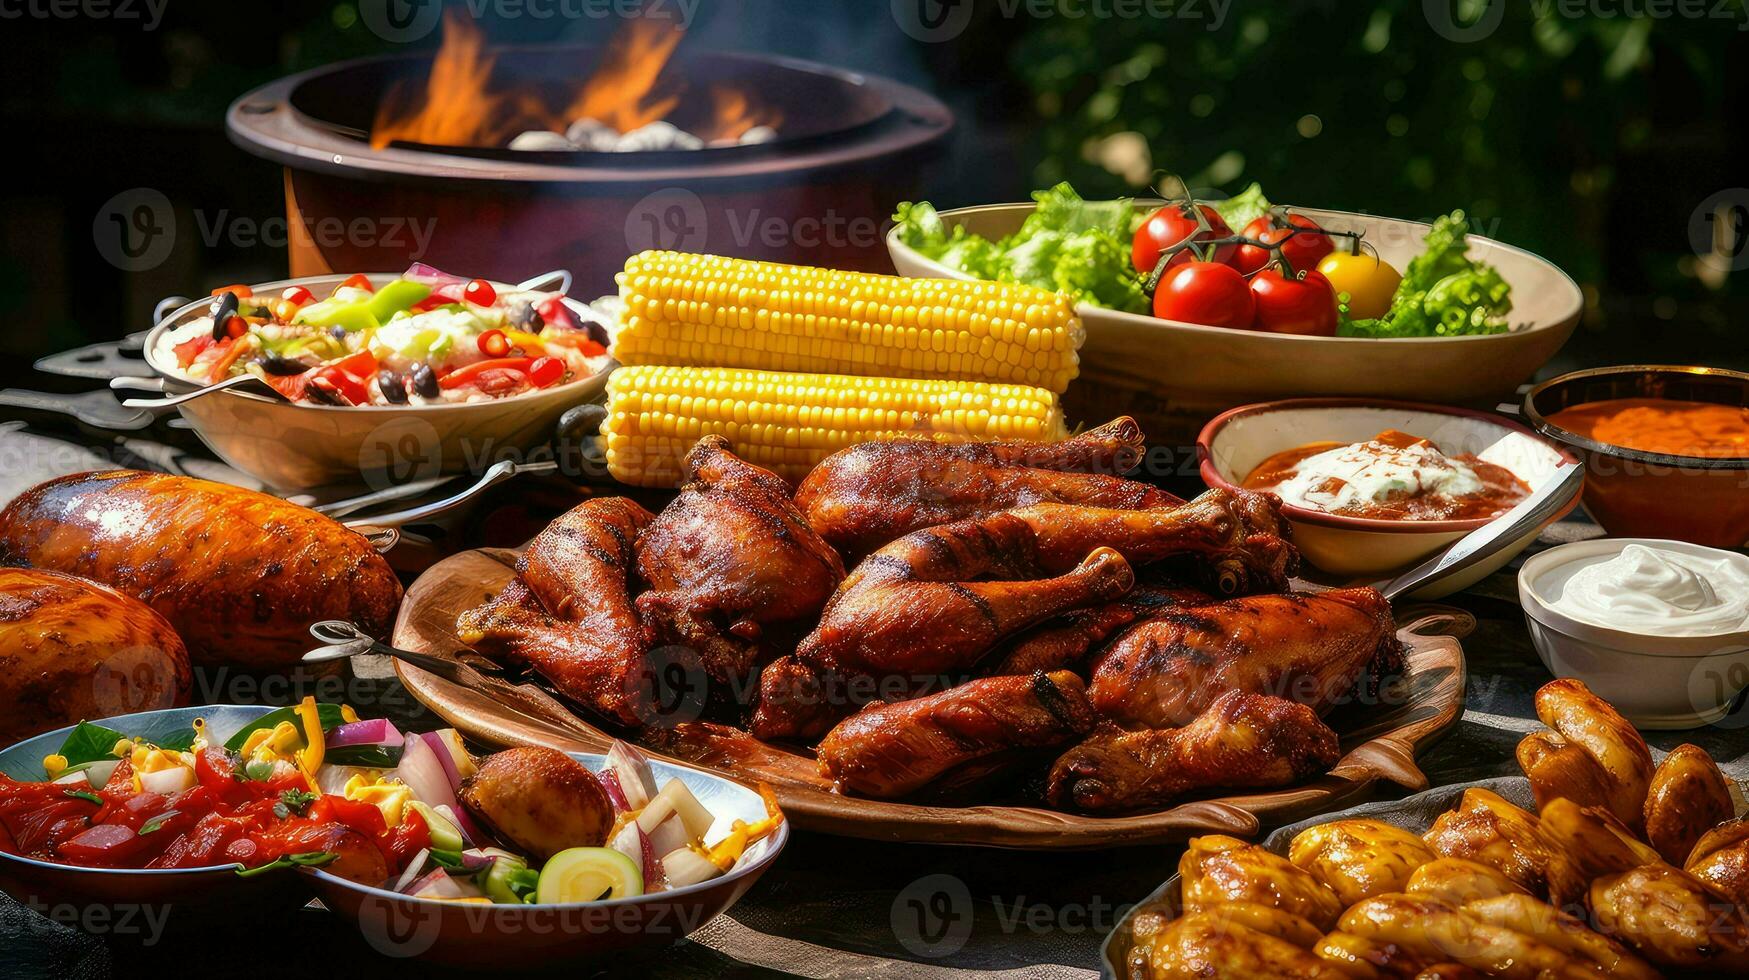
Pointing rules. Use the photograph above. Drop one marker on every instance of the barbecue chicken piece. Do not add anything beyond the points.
(1488, 830)
(539, 799)
(876, 492)
(1358, 859)
(936, 601)
(1233, 541)
(889, 750)
(1225, 944)
(1440, 932)
(1673, 919)
(1594, 838)
(729, 558)
(1594, 757)
(239, 575)
(569, 612)
(800, 702)
(1458, 881)
(1242, 740)
(1066, 641)
(73, 649)
(1687, 798)
(1216, 870)
(1553, 927)
(1313, 649)
(1721, 859)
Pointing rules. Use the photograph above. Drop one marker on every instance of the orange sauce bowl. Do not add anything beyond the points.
(1640, 494)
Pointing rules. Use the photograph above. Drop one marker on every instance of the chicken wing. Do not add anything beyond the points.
(1552, 927)
(1488, 830)
(1594, 757)
(1219, 945)
(1066, 641)
(936, 601)
(1216, 870)
(569, 612)
(889, 750)
(1672, 918)
(1312, 649)
(1458, 881)
(729, 558)
(1721, 859)
(1233, 541)
(1439, 932)
(870, 494)
(1687, 798)
(1358, 859)
(1242, 740)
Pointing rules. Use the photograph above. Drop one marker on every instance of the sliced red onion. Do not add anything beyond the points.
(615, 795)
(413, 868)
(422, 771)
(637, 783)
(373, 731)
(434, 742)
(420, 272)
(474, 862)
(453, 814)
(437, 879)
(655, 876)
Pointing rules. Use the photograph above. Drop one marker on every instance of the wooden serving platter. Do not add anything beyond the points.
(1379, 741)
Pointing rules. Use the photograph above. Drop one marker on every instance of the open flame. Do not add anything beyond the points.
(460, 106)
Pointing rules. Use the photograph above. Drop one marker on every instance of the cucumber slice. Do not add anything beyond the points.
(588, 874)
(497, 882)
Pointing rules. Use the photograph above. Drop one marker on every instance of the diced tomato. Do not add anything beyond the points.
(362, 817)
(469, 373)
(358, 858)
(361, 365)
(206, 843)
(121, 781)
(188, 350)
(357, 280)
(401, 843)
(546, 371)
(103, 844)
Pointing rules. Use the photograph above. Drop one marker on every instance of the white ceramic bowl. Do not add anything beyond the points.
(294, 447)
(1234, 443)
(1656, 682)
(1173, 376)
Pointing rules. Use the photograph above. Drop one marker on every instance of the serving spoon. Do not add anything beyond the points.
(1472, 549)
(236, 381)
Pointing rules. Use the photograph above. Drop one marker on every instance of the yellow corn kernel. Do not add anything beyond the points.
(789, 422)
(764, 315)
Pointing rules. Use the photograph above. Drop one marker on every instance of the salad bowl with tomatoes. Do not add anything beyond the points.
(1237, 322)
(366, 377)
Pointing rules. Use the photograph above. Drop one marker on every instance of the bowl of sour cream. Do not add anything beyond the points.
(1660, 629)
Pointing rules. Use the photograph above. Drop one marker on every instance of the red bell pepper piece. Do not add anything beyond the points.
(357, 280)
(360, 816)
(104, 844)
(463, 375)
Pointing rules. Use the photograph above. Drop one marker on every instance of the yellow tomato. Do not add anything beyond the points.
(1369, 281)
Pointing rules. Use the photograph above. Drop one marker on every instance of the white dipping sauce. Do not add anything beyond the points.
(1651, 590)
(1374, 472)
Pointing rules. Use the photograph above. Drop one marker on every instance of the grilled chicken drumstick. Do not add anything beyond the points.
(1312, 649)
(1065, 642)
(865, 496)
(1242, 740)
(889, 750)
(569, 612)
(730, 557)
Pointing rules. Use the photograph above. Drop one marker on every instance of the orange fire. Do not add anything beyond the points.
(461, 107)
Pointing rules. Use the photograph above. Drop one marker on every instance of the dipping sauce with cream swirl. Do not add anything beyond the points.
(1647, 589)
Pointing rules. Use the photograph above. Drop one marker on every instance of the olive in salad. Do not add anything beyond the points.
(424, 338)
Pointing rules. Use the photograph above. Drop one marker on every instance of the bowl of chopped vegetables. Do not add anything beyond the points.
(1193, 308)
(365, 375)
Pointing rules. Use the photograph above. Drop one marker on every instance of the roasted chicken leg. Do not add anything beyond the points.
(1242, 740)
(889, 750)
(730, 558)
(1312, 649)
(865, 496)
(569, 612)
(1066, 641)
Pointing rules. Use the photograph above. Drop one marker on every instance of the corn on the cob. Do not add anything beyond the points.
(789, 422)
(709, 310)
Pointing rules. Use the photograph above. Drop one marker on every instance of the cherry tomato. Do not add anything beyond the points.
(1306, 248)
(357, 280)
(296, 295)
(236, 326)
(546, 371)
(1170, 226)
(1304, 305)
(493, 343)
(1249, 258)
(1369, 281)
(1210, 293)
(1302, 249)
(552, 310)
(480, 293)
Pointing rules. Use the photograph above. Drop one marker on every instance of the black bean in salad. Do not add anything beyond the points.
(224, 306)
(337, 331)
(425, 380)
(281, 366)
(394, 387)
